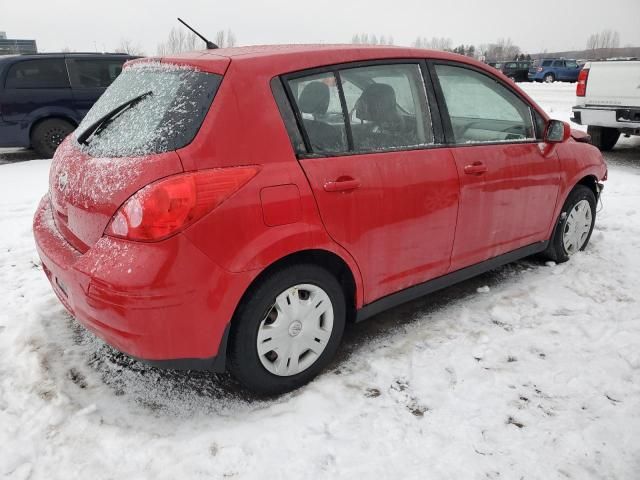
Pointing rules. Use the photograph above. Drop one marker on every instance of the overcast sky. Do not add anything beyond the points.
(534, 25)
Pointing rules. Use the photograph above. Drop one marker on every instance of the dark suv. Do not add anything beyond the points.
(517, 70)
(43, 97)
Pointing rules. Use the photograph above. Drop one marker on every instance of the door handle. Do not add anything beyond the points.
(476, 168)
(342, 185)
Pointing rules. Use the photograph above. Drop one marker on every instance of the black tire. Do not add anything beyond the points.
(556, 250)
(243, 360)
(48, 134)
(549, 78)
(604, 138)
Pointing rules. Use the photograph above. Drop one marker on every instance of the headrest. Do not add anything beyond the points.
(377, 104)
(314, 98)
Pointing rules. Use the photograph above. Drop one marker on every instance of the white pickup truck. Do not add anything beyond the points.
(608, 101)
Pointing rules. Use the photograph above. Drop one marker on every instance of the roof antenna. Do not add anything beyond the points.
(210, 44)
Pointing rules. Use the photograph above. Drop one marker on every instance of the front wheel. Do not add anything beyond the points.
(575, 225)
(287, 330)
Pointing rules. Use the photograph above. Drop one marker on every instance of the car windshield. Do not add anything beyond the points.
(166, 119)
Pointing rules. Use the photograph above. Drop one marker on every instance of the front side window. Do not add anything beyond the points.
(558, 63)
(481, 109)
(363, 109)
(41, 73)
(93, 73)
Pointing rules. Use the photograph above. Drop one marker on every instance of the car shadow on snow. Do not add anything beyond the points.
(626, 153)
(15, 155)
(180, 393)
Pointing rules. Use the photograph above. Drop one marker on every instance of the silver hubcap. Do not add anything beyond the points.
(296, 330)
(577, 227)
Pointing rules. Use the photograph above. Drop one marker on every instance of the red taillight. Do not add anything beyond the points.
(581, 87)
(167, 206)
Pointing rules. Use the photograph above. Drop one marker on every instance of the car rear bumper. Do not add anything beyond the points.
(624, 118)
(165, 302)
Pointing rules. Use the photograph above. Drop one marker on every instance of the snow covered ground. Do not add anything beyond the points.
(531, 371)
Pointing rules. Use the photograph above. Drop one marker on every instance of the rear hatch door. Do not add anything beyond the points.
(120, 153)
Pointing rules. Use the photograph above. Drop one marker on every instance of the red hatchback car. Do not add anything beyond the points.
(232, 209)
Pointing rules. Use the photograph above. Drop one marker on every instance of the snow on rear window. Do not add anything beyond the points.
(166, 119)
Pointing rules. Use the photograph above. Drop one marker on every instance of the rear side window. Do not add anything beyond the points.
(174, 102)
(571, 64)
(318, 101)
(388, 107)
(93, 73)
(363, 109)
(558, 63)
(481, 109)
(40, 73)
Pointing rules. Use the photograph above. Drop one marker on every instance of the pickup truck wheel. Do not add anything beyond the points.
(48, 134)
(574, 225)
(604, 138)
(287, 330)
(549, 78)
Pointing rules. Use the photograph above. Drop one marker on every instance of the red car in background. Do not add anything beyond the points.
(232, 209)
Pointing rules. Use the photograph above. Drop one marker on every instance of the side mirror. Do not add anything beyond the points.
(557, 132)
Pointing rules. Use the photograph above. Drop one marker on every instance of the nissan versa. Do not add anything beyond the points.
(233, 208)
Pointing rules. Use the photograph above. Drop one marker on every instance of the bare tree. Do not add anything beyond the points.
(179, 41)
(225, 39)
(603, 42)
(371, 39)
(503, 49)
(436, 43)
(126, 45)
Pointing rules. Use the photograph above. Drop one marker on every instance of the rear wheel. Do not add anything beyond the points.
(604, 138)
(574, 226)
(287, 330)
(549, 78)
(48, 134)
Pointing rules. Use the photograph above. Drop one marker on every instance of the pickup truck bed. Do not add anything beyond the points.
(608, 101)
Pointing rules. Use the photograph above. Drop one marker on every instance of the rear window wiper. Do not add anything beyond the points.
(103, 121)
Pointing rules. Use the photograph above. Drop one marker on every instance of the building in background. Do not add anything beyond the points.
(10, 46)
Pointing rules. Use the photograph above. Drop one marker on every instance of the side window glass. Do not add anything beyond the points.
(546, 63)
(88, 73)
(572, 64)
(318, 101)
(558, 63)
(481, 109)
(387, 107)
(45, 73)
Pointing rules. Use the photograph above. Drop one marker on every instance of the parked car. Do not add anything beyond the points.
(234, 208)
(549, 70)
(518, 71)
(608, 101)
(43, 97)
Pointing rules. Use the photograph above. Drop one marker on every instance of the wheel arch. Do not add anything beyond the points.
(323, 258)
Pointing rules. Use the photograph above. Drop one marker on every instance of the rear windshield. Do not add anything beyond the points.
(175, 100)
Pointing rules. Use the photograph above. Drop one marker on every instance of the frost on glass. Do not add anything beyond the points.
(166, 119)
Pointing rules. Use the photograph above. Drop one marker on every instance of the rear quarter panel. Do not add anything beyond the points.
(244, 127)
